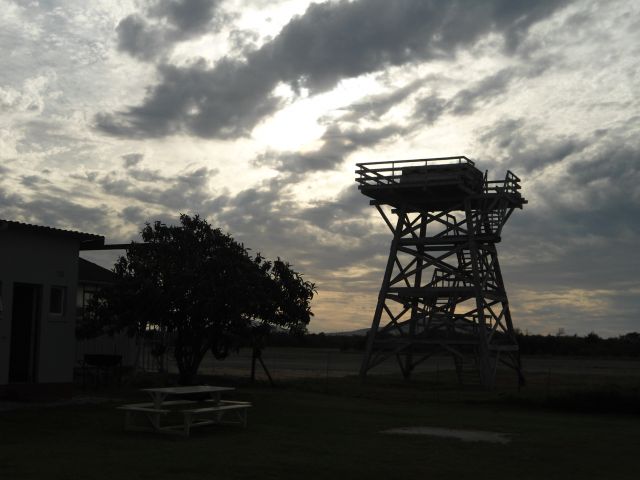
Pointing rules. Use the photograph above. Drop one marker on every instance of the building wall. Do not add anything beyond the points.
(45, 260)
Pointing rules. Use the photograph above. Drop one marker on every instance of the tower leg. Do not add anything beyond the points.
(513, 360)
(393, 251)
(487, 373)
(417, 282)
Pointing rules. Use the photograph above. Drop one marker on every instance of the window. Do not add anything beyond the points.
(85, 294)
(57, 299)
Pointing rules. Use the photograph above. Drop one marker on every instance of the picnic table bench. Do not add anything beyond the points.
(198, 413)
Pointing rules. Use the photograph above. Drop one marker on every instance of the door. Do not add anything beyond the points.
(25, 326)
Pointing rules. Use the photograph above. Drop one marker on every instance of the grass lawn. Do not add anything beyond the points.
(312, 429)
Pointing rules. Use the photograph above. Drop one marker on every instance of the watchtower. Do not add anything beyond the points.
(442, 289)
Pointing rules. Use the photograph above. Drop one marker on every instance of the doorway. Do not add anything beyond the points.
(25, 329)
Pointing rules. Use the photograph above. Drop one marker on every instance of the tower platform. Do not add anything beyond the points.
(433, 183)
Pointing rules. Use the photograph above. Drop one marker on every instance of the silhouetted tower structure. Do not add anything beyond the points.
(442, 289)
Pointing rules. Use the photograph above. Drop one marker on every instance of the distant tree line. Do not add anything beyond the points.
(627, 345)
(592, 345)
(317, 340)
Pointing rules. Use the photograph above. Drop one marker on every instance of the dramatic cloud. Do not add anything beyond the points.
(466, 101)
(173, 21)
(336, 236)
(330, 42)
(375, 106)
(337, 144)
(132, 159)
(520, 146)
(174, 193)
(51, 209)
(226, 101)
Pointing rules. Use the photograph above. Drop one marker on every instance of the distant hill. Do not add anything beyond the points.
(362, 332)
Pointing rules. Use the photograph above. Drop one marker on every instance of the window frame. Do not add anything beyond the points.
(62, 299)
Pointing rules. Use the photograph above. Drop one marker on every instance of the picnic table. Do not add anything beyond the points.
(193, 413)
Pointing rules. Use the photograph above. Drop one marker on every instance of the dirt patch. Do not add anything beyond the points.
(465, 435)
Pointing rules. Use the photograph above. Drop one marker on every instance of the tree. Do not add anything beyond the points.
(202, 288)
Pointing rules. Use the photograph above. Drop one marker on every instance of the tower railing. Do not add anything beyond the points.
(391, 172)
(510, 184)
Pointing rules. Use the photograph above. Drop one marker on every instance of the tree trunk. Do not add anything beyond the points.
(257, 356)
(188, 361)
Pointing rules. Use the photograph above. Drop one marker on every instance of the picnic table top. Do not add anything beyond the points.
(188, 390)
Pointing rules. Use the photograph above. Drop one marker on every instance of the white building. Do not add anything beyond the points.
(38, 291)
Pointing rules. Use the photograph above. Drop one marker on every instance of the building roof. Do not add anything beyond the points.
(89, 272)
(82, 237)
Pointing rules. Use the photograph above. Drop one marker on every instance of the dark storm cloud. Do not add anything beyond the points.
(340, 140)
(375, 106)
(330, 235)
(576, 241)
(139, 39)
(186, 15)
(146, 175)
(32, 180)
(134, 215)
(175, 21)
(431, 107)
(582, 230)
(173, 193)
(330, 42)
(345, 215)
(607, 190)
(241, 42)
(262, 212)
(466, 100)
(54, 210)
(224, 102)
(619, 164)
(337, 144)
(525, 150)
(132, 159)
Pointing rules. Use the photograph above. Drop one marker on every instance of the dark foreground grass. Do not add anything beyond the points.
(312, 429)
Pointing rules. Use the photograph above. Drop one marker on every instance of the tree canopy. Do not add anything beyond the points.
(202, 288)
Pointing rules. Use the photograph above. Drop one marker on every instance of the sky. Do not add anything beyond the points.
(253, 114)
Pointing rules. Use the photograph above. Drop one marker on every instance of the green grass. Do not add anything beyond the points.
(330, 429)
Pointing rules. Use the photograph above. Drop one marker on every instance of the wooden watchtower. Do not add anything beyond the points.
(442, 289)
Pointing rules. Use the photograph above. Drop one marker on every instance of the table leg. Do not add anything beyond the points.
(215, 398)
(187, 424)
(157, 398)
(127, 420)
